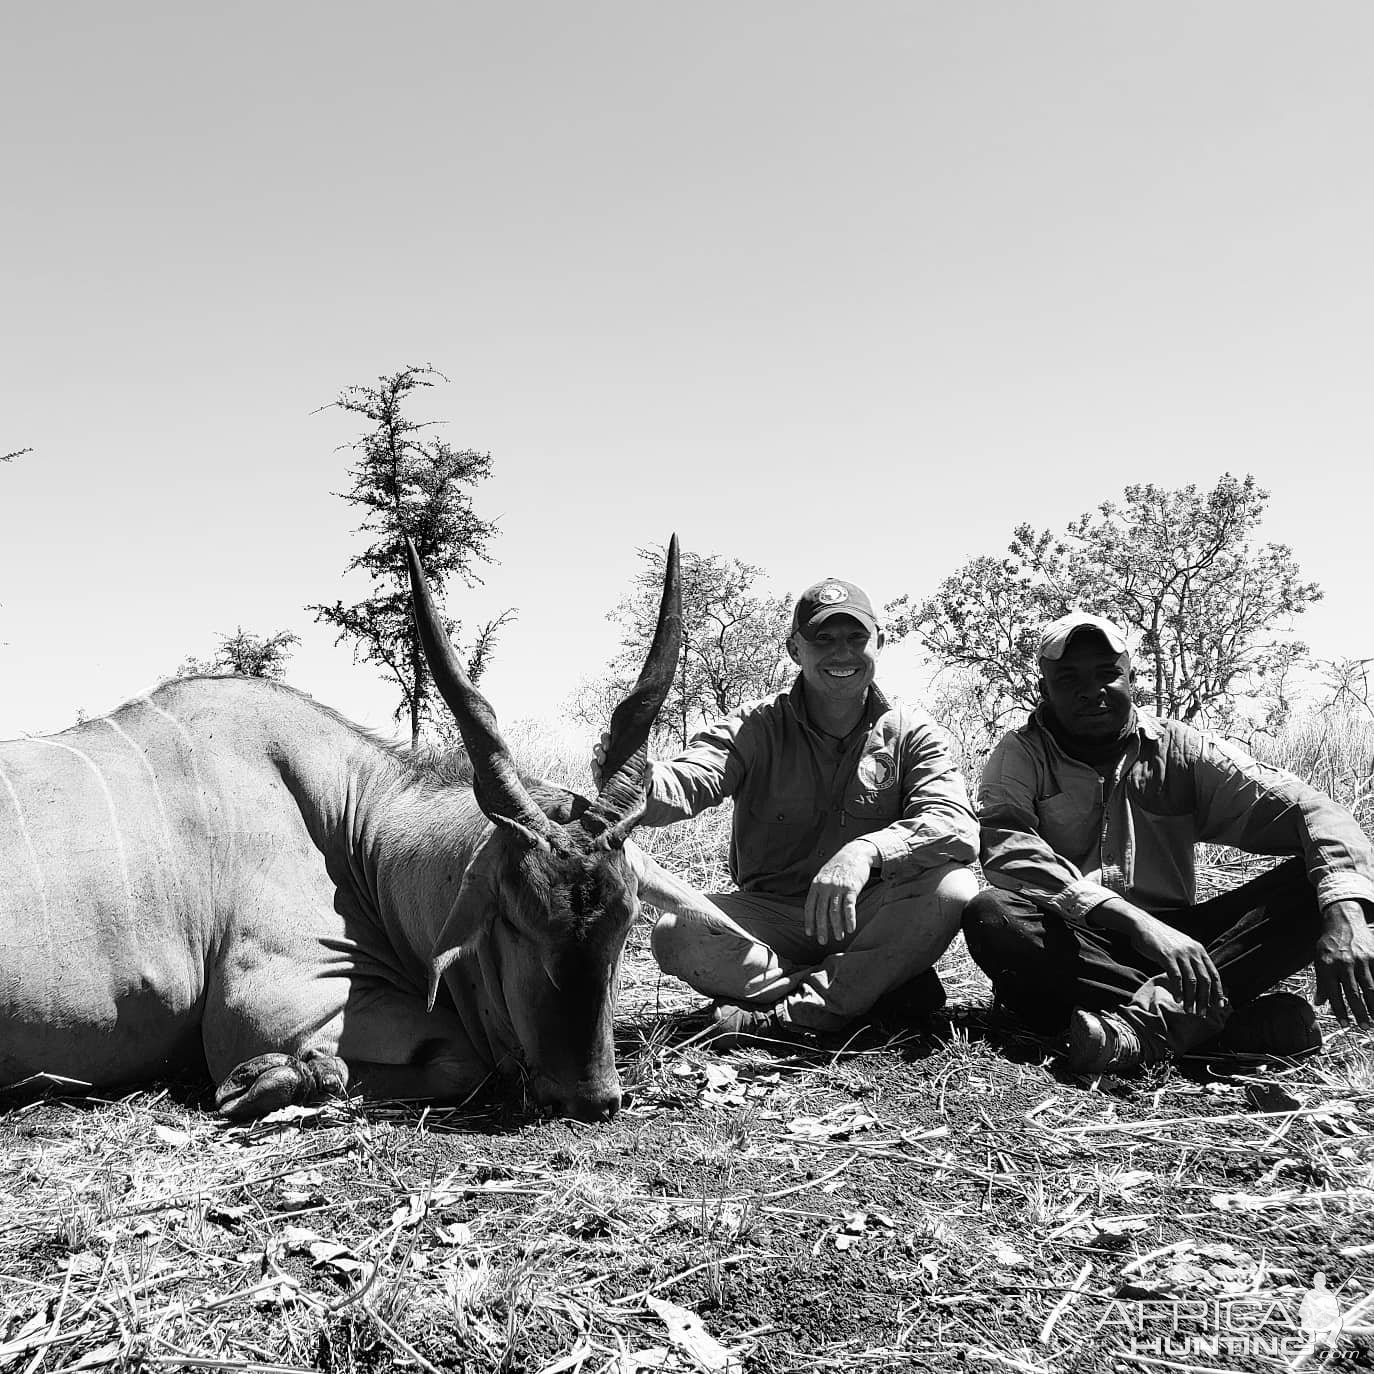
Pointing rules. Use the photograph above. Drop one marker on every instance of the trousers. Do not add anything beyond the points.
(1042, 968)
(752, 949)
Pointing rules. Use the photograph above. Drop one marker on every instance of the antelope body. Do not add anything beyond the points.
(226, 872)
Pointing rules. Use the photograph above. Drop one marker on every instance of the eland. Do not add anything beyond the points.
(226, 873)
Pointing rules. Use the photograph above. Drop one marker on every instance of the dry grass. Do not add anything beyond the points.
(936, 1198)
(898, 1204)
(1334, 750)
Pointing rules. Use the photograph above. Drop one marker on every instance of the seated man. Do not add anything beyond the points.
(851, 843)
(1089, 814)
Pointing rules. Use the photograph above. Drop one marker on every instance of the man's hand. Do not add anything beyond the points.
(1344, 962)
(1193, 977)
(831, 903)
(599, 758)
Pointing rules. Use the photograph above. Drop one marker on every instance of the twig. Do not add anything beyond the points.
(1131, 1127)
(227, 1362)
(400, 1342)
(1265, 1204)
(55, 1325)
(636, 1299)
(1141, 1261)
(1058, 1309)
(755, 1197)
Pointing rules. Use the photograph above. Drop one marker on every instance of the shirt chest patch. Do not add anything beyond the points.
(877, 772)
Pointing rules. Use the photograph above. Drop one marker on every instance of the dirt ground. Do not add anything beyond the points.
(925, 1198)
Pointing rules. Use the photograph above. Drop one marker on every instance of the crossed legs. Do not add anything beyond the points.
(750, 948)
(1042, 968)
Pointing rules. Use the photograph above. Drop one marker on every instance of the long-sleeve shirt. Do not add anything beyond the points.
(800, 797)
(1067, 838)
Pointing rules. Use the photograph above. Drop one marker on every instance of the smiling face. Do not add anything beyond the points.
(1089, 688)
(838, 660)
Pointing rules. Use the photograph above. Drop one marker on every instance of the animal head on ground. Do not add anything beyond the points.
(544, 908)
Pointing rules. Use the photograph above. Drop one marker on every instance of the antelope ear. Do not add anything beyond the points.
(655, 885)
(531, 838)
(470, 918)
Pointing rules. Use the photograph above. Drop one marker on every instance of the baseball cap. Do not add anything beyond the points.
(1054, 638)
(832, 596)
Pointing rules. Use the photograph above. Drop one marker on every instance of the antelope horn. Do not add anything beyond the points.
(495, 783)
(621, 798)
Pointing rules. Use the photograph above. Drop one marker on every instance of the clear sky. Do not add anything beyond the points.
(842, 289)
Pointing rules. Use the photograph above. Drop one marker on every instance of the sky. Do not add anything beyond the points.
(844, 289)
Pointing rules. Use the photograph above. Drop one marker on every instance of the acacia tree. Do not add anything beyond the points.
(246, 654)
(1210, 611)
(410, 484)
(732, 642)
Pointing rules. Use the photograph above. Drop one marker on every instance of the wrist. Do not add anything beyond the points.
(1118, 915)
(1346, 912)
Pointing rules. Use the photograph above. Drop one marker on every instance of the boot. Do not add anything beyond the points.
(1279, 1023)
(1110, 1042)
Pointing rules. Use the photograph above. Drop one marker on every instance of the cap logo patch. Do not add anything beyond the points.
(830, 594)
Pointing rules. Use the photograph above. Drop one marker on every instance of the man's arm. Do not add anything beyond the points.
(937, 824)
(1016, 857)
(937, 827)
(1265, 810)
(701, 776)
(1193, 977)
(1344, 962)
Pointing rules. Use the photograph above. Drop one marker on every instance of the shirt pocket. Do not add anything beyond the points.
(779, 834)
(1070, 825)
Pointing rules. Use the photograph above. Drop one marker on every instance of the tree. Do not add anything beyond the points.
(1347, 681)
(416, 486)
(732, 642)
(246, 654)
(1211, 612)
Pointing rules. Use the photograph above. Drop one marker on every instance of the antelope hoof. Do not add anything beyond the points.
(268, 1082)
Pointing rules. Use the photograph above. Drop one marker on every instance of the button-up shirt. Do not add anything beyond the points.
(800, 796)
(1061, 834)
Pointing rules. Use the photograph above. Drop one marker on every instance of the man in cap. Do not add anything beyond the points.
(851, 843)
(1089, 815)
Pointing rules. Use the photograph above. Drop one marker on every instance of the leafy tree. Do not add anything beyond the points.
(732, 642)
(416, 485)
(246, 654)
(1209, 609)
